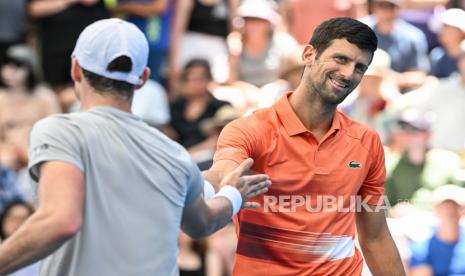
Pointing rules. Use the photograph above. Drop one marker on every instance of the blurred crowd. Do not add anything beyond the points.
(213, 61)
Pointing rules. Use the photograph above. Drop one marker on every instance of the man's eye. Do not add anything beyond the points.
(341, 59)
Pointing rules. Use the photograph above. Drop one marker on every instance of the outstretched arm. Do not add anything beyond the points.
(204, 218)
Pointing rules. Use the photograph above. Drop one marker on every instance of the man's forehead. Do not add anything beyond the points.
(344, 47)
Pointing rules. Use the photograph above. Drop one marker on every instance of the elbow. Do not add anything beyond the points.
(66, 228)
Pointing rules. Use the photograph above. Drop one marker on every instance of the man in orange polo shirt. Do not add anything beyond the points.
(327, 171)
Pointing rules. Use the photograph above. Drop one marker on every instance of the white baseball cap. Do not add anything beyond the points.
(449, 192)
(104, 40)
(262, 9)
(454, 18)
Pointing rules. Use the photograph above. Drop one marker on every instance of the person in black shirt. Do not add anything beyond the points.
(194, 105)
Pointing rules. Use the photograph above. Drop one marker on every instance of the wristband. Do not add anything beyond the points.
(208, 190)
(233, 195)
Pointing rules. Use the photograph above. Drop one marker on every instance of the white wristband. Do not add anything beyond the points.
(233, 195)
(208, 190)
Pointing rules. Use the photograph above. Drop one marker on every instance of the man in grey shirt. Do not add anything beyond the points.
(114, 192)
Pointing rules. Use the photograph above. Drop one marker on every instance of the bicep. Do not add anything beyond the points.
(61, 190)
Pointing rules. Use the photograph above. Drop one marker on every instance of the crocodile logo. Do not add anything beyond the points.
(354, 165)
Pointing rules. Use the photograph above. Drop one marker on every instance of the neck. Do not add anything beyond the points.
(19, 89)
(98, 99)
(316, 115)
(416, 154)
(256, 44)
(448, 231)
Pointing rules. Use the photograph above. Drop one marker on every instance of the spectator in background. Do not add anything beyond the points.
(196, 259)
(59, 24)
(452, 32)
(12, 25)
(12, 217)
(255, 53)
(194, 105)
(200, 28)
(290, 73)
(445, 99)
(211, 127)
(9, 191)
(153, 18)
(302, 16)
(150, 103)
(412, 174)
(405, 43)
(23, 101)
(442, 253)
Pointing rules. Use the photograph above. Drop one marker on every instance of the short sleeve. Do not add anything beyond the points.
(54, 138)
(236, 142)
(194, 185)
(372, 190)
(420, 254)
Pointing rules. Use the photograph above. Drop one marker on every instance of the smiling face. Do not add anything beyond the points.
(334, 73)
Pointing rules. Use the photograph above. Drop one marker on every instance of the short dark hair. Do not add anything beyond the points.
(110, 86)
(353, 30)
(196, 62)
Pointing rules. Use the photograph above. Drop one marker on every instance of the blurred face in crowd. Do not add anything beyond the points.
(334, 73)
(256, 27)
(414, 138)
(13, 74)
(385, 12)
(450, 38)
(196, 81)
(449, 210)
(14, 218)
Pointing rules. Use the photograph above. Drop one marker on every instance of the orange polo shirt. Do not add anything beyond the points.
(306, 222)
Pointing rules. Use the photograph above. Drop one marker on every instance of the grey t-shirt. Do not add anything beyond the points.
(137, 182)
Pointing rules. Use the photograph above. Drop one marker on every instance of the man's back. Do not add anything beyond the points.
(136, 185)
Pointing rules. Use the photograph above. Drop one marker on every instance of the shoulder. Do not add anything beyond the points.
(408, 30)
(367, 136)
(56, 125)
(258, 121)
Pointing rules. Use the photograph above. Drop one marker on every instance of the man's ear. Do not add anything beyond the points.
(308, 54)
(76, 73)
(144, 77)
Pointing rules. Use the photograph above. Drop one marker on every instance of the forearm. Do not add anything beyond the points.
(382, 257)
(143, 10)
(36, 239)
(42, 8)
(217, 213)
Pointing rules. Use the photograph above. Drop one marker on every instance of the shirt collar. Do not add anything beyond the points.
(292, 123)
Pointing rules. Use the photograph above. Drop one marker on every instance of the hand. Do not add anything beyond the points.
(249, 186)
